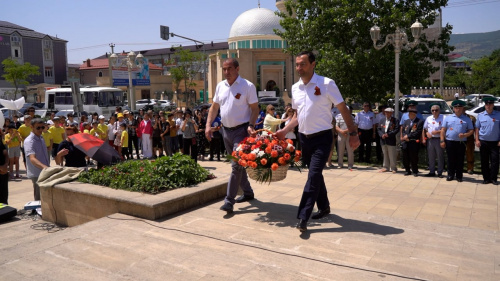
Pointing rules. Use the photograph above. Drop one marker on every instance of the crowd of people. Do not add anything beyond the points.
(457, 134)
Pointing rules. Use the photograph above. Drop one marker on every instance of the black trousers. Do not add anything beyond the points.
(315, 152)
(378, 148)
(410, 157)
(4, 188)
(365, 148)
(190, 149)
(456, 154)
(133, 140)
(489, 160)
(215, 148)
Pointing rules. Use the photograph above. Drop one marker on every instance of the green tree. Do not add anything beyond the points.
(18, 74)
(485, 77)
(339, 31)
(189, 64)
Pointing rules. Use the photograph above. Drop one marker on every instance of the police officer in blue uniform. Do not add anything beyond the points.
(488, 140)
(454, 132)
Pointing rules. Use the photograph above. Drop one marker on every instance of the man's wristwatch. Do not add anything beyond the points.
(352, 134)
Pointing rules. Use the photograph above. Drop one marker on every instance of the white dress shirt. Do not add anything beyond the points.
(434, 124)
(314, 111)
(235, 100)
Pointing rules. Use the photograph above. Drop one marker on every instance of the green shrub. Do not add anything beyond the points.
(163, 174)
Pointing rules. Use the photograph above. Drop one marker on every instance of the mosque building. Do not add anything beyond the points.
(259, 51)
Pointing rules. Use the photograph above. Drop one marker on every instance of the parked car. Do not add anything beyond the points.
(143, 102)
(480, 108)
(276, 101)
(163, 103)
(9, 113)
(476, 99)
(424, 106)
(66, 111)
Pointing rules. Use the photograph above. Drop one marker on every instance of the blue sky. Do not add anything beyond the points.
(91, 25)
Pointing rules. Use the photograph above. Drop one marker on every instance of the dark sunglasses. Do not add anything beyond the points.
(40, 127)
(434, 110)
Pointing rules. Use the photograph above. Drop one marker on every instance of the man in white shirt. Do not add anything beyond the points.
(430, 137)
(239, 107)
(313, 97)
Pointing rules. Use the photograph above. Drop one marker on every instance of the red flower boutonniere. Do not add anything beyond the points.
(238, 95)
(461, 121)
(317, 91)
(493, 119)
(433, 122)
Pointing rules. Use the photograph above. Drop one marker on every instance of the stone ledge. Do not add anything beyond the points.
(76, 203)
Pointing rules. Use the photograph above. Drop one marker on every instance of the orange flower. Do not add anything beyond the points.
(298, 153)
(289, 141)
(268, 150)
(241, 153)
(274, 153)
(234, 154)
(259, 143)
(282, 161)
(296, 159)
(244, 156)
(274, 142)
(252, 156)
(242, 163)
(254, 165)
(291, 149)
(287, 156)
(263, 161)
(266, 141)
(274, 167)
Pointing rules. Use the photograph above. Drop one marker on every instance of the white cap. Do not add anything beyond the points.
(102, 117)
(389, 109)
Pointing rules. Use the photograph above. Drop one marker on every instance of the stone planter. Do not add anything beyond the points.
(75, 203)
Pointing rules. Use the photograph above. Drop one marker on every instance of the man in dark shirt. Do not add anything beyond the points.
(73, 156)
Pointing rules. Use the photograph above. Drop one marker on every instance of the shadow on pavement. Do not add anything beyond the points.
(283, 215)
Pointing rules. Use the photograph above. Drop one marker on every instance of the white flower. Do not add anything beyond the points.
(238, 148)
(255, 151)
(261, 153)
(289, 146)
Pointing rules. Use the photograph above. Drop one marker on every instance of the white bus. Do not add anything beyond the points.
(102, 100)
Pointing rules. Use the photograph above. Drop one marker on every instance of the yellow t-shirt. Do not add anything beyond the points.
(124, 138)
(86, 131)
(14, 140)
(104, 128)
(98, 133)
(57, 134)
(24, 130)
(47, 136)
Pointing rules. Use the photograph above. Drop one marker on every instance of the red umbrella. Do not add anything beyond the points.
(95, 148)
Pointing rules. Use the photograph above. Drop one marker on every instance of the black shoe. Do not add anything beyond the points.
(449, 178)
(321, 213)
(486, 182)
(459, 179)
(227, 207)
(302, 226)
(494, 182)
(415, 174)
(210, 159)
(440, 176)
(407, 173)
(430, 175)
(244, 198)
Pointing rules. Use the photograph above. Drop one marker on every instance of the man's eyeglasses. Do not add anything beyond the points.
(434, 110)
(40, 127)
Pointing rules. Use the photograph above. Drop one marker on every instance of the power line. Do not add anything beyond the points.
(139, 44)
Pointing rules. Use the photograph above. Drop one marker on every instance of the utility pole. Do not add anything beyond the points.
(165, 36)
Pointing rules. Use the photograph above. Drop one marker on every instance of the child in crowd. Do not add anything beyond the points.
(96, 132)
(86, 128)
(123, 147)
(47, 136)
(13, 141)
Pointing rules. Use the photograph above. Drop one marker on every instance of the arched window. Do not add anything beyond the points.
(99, 74)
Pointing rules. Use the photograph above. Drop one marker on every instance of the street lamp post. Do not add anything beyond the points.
(131, 63)
(399, 40)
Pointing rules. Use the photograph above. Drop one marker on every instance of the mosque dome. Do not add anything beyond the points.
(258, 21)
